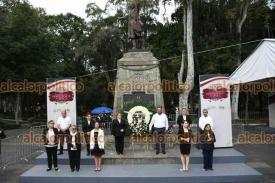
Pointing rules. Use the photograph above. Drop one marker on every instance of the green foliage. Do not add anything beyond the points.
(34, 46)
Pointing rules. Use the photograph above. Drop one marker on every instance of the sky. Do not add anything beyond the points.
(77, 7)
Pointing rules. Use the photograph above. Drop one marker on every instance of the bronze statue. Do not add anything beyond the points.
(135, 24)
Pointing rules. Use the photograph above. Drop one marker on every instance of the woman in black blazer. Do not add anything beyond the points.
(184, 117)
(50, 137)
(207, 139)
(74, 148)
(119, 127)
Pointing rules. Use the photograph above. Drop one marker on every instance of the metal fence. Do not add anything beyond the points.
(252, 118)
(21, 147)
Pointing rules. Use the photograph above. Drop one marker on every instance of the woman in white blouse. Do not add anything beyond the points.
(50, 136)
(97, 145)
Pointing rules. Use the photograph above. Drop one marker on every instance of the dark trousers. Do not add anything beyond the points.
(74, 157)
(119, 142)
(207, 158)
(62, 137)
(160, 139)
(198, 145)
(87, 140)
(52, 156)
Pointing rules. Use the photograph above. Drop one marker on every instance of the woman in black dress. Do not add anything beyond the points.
(97, 145)
(185, 136)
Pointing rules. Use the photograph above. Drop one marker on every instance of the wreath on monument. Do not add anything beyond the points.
(138, 119)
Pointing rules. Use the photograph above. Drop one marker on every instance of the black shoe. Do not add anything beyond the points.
(56, 169)
(48, 169)
(157, 153)
(163, 152)
(211, 169)
(72, 170)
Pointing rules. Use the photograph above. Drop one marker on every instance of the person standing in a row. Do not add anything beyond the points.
(159, 123)
(205, 119)
(63, 124)
(119, 127)
(74, 148)
(87, 127)
(184, 117)
(207, 139)
(185, 137)
(97, 145)
(50, 137)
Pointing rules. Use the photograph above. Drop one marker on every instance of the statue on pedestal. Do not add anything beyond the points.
(140, 64)
(135, 32)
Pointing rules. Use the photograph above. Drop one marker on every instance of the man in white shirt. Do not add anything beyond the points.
(160, 123)
(205, 119)
(63, 125)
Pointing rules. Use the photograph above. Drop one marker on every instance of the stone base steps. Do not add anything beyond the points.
(229, 172)
(228, 155)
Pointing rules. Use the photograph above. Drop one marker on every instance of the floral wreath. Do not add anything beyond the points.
(138, 119)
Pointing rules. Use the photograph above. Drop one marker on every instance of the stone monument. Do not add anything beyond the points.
(138, 75)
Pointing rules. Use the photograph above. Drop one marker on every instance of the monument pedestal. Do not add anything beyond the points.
(138, 79)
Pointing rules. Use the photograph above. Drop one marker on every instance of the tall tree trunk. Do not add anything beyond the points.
(190, 57)
(247, 107)
(5, 104)
(240, 22)
(183, 58)
(18, 109)
(235, 104)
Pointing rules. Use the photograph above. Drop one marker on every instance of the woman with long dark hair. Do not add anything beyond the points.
(185, 136)
(207, 139)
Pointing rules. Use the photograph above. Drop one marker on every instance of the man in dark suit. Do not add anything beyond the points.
(119, 127)
(87, 127)
(184, 117)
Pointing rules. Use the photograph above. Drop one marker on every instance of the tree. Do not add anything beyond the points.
(187, 52)
(239, 13)
(25, 48)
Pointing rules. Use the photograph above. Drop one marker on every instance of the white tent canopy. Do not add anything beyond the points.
(259, 65)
